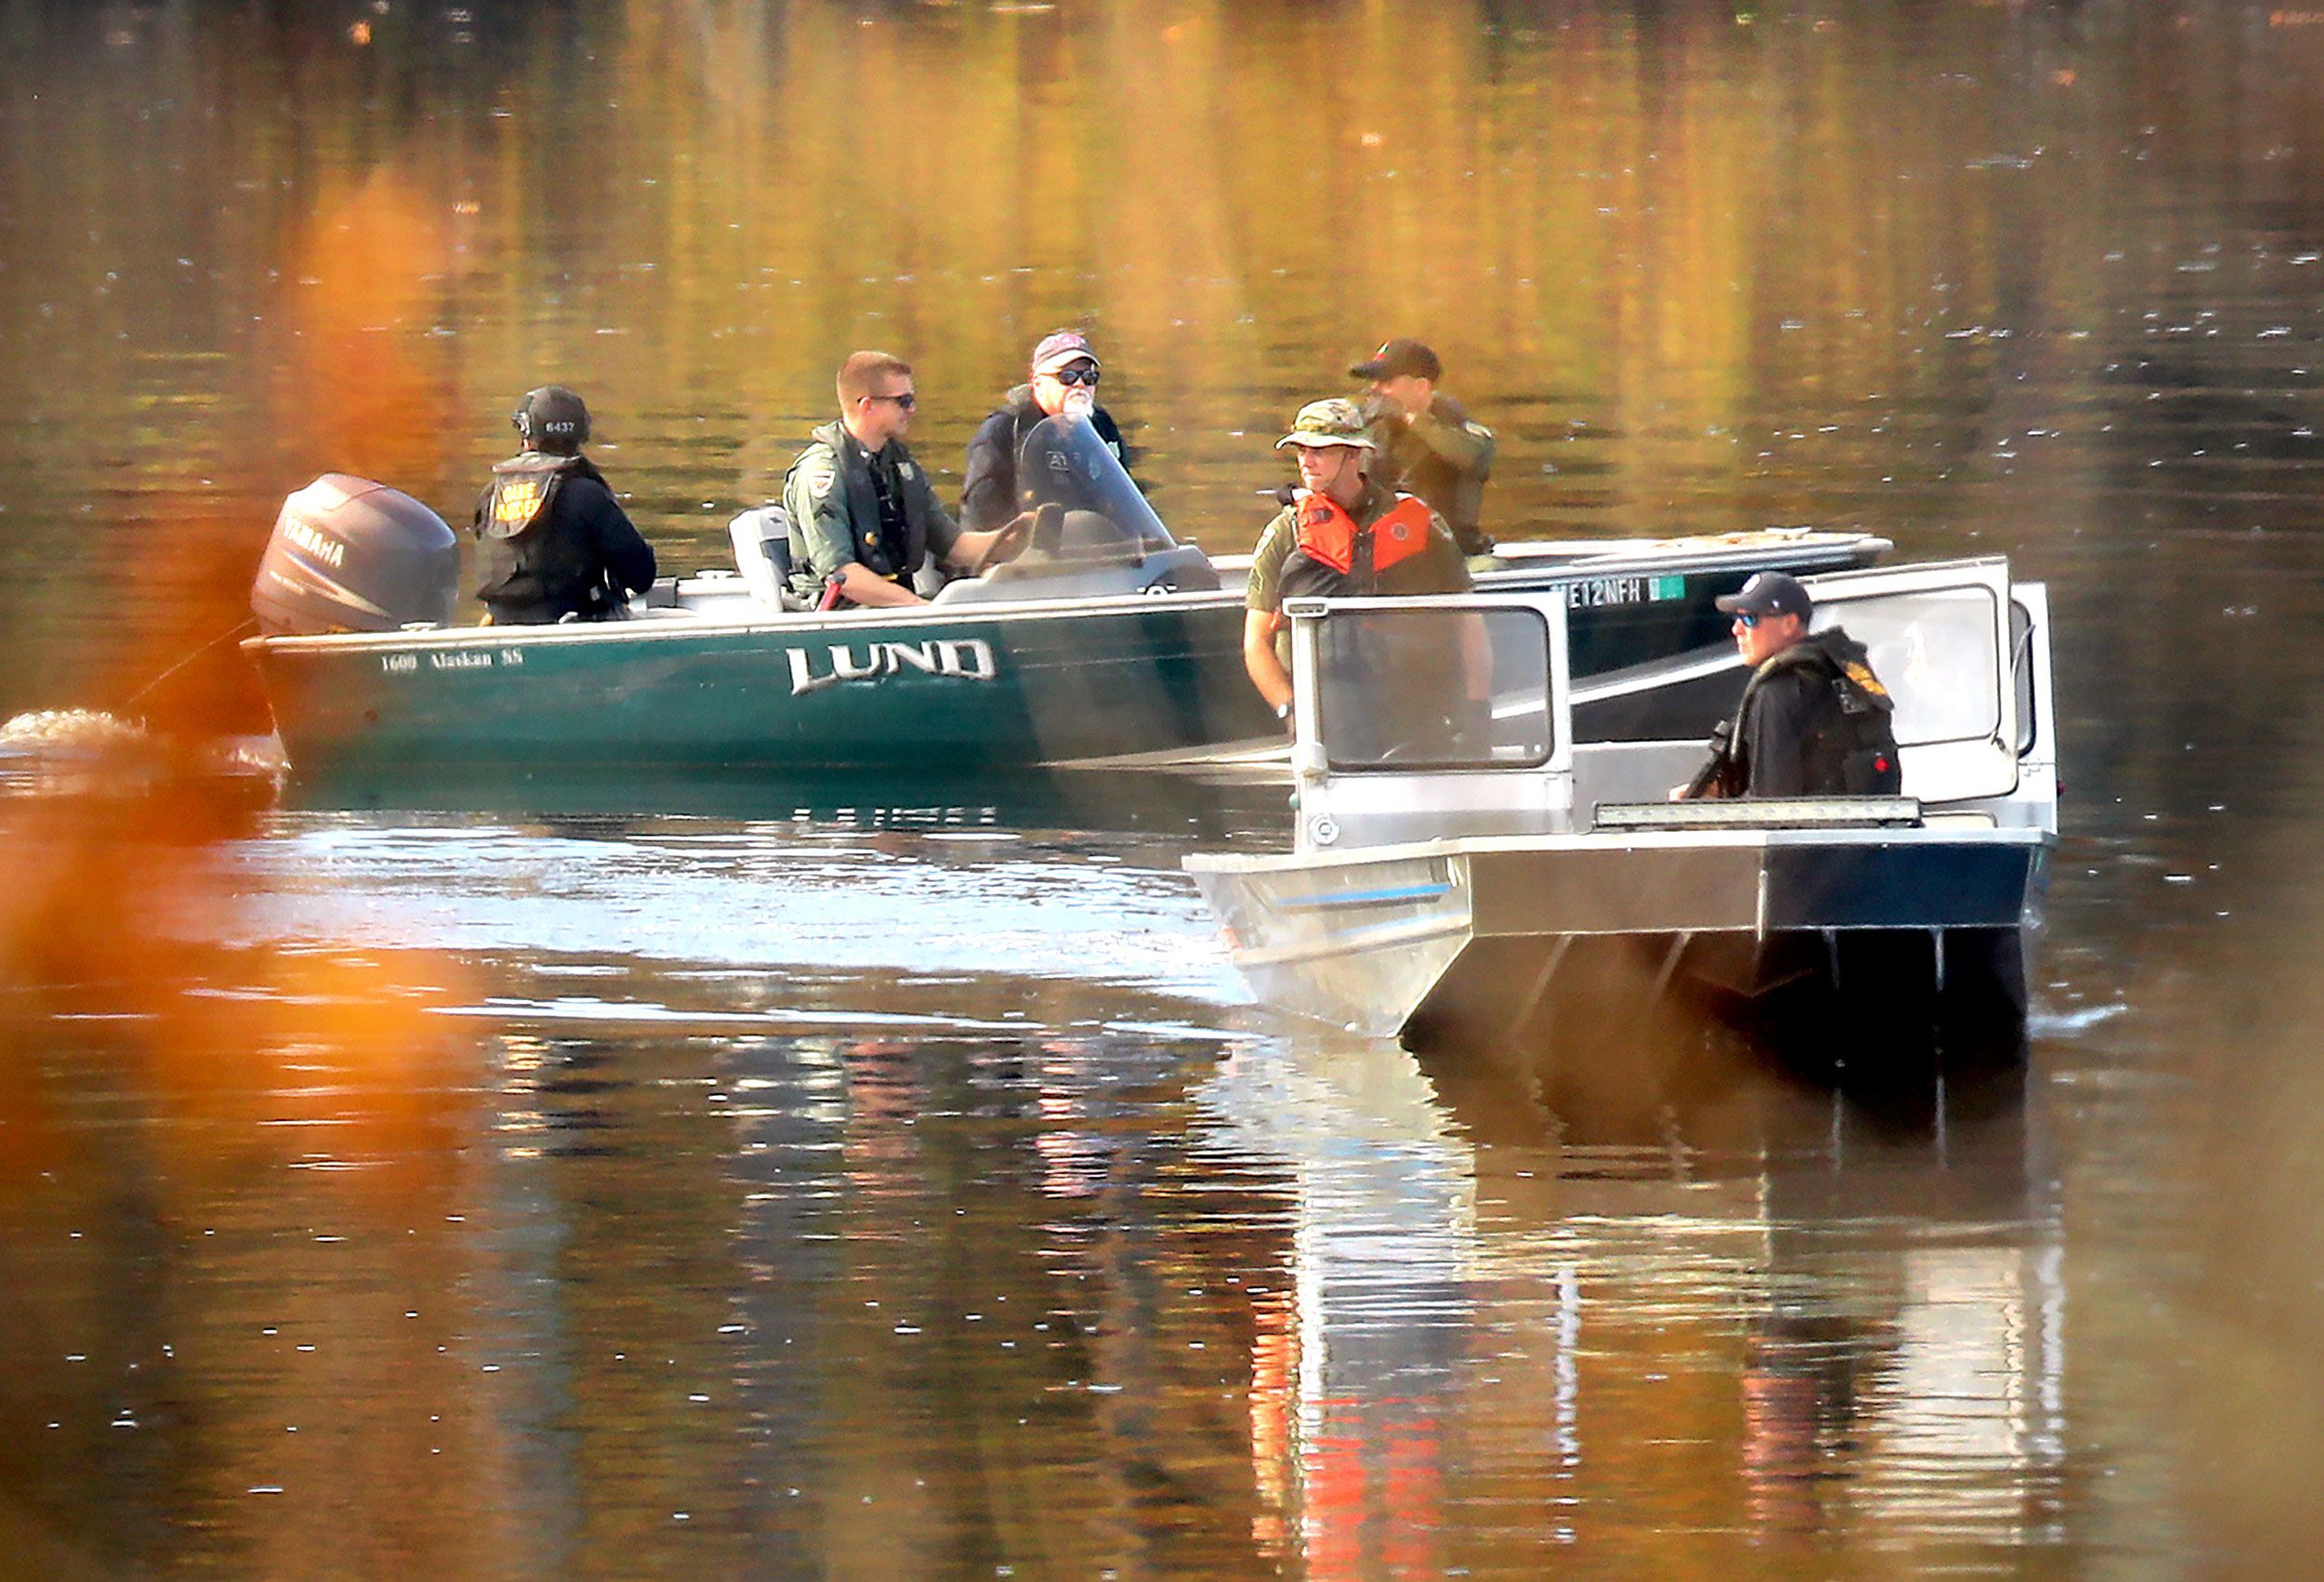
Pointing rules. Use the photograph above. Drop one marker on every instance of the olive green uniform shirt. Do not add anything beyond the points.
(832, 500)
(1445, 457)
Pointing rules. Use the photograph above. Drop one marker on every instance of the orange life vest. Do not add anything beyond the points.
(1326, 532)
(1332, 558)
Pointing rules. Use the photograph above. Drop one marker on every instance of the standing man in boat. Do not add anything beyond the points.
(1427, 442)
(863, 517)
(1815, 722)
(1343, 534)
(1063, 379)
(552, 542)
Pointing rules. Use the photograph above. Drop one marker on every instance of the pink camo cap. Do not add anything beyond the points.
(1055, 352)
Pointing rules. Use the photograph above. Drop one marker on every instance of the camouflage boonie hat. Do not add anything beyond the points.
(1334, 421)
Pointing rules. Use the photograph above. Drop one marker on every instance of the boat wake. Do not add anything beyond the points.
(2071, 1024)
(841, 902)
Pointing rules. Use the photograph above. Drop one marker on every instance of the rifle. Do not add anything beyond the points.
(1717, 767)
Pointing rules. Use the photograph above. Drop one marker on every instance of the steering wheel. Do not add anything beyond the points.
(1008, 542)
(1447, 739)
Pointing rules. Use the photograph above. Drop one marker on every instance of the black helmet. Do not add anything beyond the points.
(552, 419)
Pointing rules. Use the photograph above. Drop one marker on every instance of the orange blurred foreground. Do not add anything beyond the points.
(110, 931)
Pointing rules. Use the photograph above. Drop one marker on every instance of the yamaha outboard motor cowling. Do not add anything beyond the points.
(349, 555)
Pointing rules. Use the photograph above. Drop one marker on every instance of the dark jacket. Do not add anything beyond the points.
(1805, 714)
(1444, 459)
(834, 508)
(578, 555)
(989, 497)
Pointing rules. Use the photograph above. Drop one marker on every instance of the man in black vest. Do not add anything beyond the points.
(1814, 721)
(1064, 379)
(552, 542)
(864, 516)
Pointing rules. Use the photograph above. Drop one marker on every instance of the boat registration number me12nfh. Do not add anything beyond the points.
(1592, 593)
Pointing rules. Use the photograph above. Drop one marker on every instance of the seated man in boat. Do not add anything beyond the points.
(1815, 722)
(1343, 534)
(863, 517)
(552, 542)
(1063, 379)
(1427, 443)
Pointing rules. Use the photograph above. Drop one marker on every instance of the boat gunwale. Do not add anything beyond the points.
(1595, 840)
(1621, 557)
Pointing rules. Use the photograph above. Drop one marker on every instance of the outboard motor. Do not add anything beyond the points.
(349, 555)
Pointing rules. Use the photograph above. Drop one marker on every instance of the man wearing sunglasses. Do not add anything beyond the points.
(863, 517)
(1063, 379)
(1815, 722)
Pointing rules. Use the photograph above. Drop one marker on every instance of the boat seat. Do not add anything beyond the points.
(762, 554)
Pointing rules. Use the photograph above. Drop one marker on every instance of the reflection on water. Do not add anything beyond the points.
(903, 1247)
(766, 1180)
(1359, 1356)
(916, 1272)
(1985, 277)
(1785, 1315)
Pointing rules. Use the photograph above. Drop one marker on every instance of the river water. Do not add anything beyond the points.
(774, 1179)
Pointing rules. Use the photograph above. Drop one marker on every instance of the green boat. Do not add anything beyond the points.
(1106, 642)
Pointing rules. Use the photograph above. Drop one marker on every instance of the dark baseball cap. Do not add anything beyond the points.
(1769, 593)
(1061, 349)
(1400, 356)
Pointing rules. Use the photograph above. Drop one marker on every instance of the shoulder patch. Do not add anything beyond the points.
(817, 470)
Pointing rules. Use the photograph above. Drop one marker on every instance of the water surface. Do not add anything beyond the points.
(892, 1181)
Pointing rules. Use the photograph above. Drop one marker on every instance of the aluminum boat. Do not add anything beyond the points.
(1466, 859)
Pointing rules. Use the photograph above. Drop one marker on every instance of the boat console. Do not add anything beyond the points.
(1095, 535)
(1420, 718)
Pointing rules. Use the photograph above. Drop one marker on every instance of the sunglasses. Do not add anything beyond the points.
(1077, 373)
(1746, 620)
(907, 401)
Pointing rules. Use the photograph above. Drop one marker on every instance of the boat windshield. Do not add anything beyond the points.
(1419, 688)
(1065, 463)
